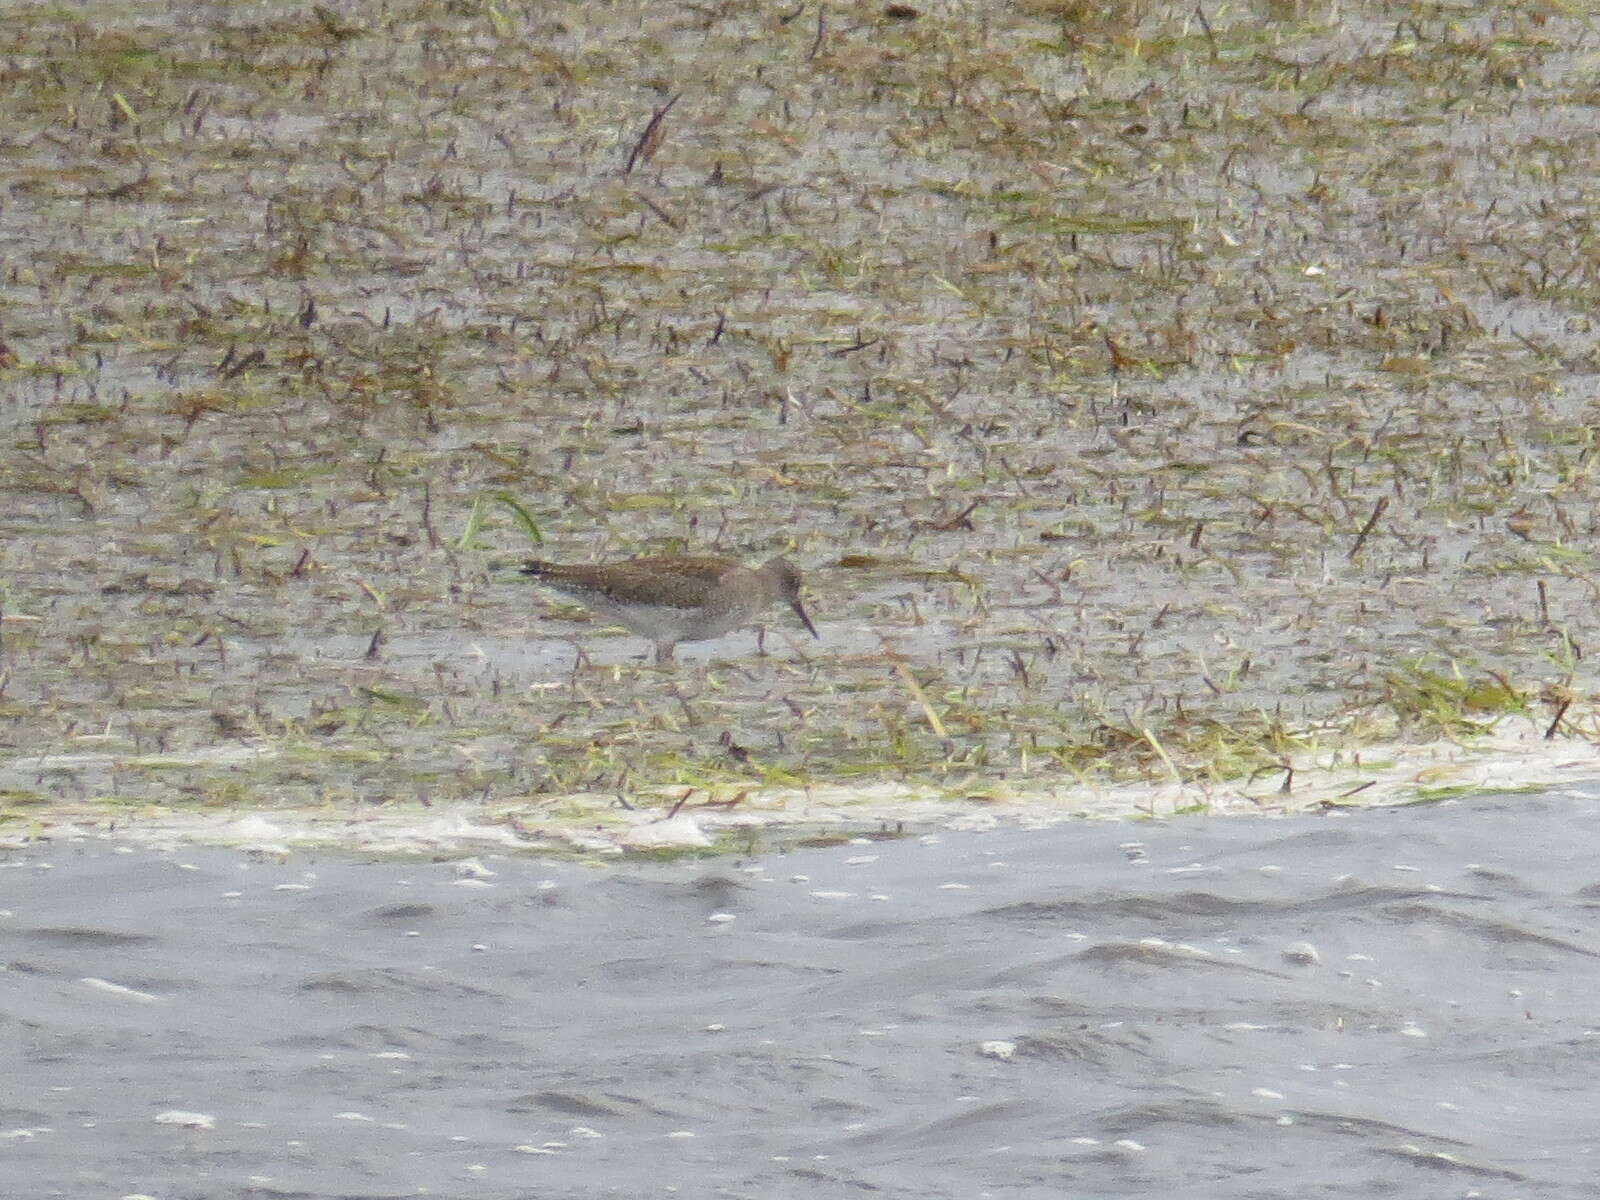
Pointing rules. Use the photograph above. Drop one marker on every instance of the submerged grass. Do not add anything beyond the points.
(1152, 392)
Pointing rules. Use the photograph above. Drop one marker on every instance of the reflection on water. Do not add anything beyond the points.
(1387, 1002)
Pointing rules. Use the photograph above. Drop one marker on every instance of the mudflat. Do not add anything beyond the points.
(1151, 394)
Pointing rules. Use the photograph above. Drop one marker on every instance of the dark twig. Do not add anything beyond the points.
(1550, 733)
(1211, 38)
(667, 218)
(682, 800)
(1372, 521)
(650, 139)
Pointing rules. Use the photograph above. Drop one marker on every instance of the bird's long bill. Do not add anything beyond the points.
(804, 620)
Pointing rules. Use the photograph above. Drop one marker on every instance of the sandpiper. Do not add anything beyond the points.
(672, 598)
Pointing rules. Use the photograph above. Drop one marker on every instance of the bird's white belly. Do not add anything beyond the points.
(661, 623)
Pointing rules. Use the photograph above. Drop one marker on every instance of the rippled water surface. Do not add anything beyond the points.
(1380, 1003)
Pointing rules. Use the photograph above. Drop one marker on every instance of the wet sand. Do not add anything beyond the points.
(1388, 1002)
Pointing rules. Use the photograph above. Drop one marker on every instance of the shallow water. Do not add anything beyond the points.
(1389, 1002)
(1113, 439)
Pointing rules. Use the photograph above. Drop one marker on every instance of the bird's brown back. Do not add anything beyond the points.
(672, 580)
